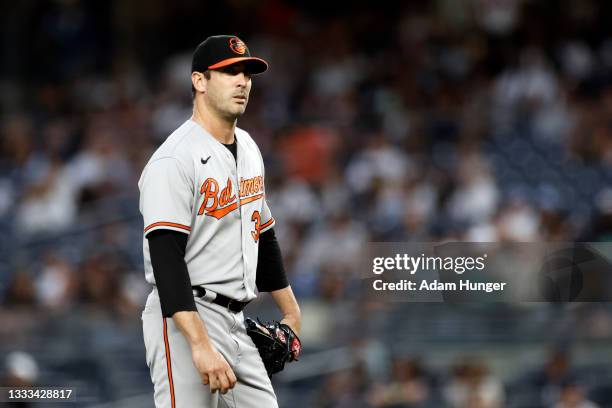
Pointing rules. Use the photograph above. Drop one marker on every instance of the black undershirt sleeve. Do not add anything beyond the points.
(167, 249)
(270, 269)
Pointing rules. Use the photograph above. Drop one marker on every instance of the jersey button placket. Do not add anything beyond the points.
(235, 181)
(244, 234)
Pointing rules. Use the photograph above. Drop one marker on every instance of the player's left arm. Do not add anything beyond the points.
(288, 305)
(271, 277)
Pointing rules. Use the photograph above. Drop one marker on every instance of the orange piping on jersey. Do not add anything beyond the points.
(256, 218)
(267, 224)
(167, 224)
(169, 363)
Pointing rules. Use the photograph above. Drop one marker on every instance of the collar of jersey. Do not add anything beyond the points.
(197, 125)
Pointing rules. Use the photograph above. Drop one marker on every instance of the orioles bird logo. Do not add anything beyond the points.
(237, 45)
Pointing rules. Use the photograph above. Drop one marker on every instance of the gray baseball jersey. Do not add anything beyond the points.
(193, 184)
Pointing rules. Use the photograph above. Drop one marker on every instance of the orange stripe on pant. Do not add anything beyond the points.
(169, 363)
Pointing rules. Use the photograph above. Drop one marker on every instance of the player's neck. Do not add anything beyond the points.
(220, 128)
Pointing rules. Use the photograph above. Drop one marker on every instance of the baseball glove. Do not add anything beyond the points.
(276, 342)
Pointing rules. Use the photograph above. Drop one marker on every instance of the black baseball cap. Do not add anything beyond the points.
(222, 50)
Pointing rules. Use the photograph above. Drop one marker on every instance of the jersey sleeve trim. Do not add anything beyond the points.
(169, 225)
(267, 225)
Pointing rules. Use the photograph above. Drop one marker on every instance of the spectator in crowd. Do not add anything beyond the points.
(21, 292)
(343, 389)
(407, 387)
(472, 386)
(573, 396)
(556, 372)
(101, 287)
(57, 284)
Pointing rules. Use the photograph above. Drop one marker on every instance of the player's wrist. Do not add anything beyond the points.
(293, 322)
(202, 346)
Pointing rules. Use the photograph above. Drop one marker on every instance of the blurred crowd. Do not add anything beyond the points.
(468, 384)
(471, 120)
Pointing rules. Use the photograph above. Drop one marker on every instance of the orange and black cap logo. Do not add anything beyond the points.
(237, 45)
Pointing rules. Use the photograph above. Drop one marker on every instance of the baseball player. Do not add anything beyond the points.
(209, 244)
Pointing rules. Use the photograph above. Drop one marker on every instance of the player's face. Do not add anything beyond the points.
(228, 90)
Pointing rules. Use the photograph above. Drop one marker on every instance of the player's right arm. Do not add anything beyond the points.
(166, 206)
(211, 365)
(167, 249)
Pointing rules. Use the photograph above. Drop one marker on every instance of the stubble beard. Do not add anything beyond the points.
(238, 110)
(230, 111)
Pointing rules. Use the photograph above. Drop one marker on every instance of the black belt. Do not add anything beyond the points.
(232, 305)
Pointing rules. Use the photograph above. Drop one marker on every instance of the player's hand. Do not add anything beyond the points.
(214, 369)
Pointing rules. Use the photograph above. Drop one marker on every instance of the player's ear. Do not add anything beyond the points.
(198, 80)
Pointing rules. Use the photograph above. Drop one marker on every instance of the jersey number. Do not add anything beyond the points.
(256, 218)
